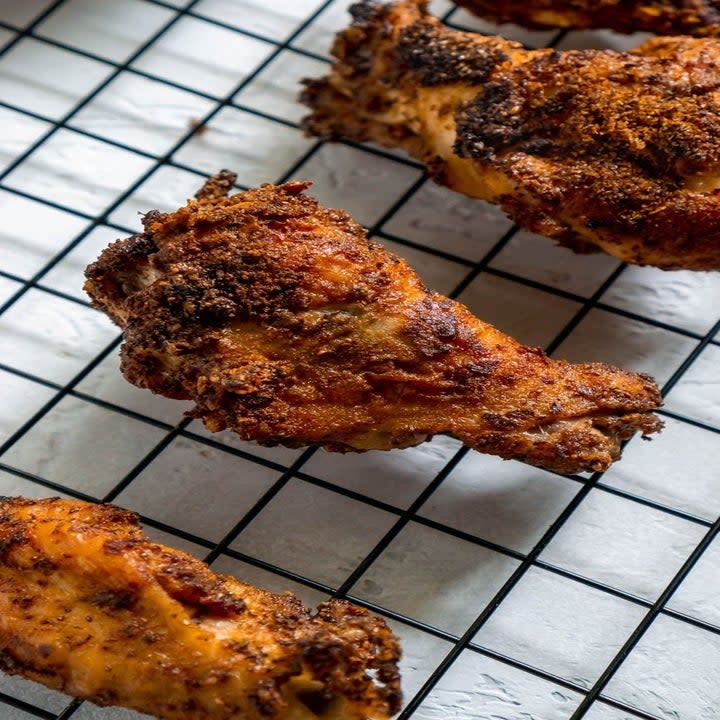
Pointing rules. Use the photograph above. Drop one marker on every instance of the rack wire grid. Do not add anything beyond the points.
(517, 593)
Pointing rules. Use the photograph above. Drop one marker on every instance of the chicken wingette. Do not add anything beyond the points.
(90, 606)
(597, 149)
(284, 323)
(663, 17)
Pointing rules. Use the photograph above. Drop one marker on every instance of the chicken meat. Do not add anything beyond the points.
(663, 17)
(284, 323)
(595, 148)
(90, 606)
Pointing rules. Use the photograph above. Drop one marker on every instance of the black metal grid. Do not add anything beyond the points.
(295, 470)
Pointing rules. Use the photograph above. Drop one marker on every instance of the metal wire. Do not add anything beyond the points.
(297, 469)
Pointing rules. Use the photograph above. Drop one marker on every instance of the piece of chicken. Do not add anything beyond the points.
(90, 606)
(598, 149)
(282, 322)
(663, 17)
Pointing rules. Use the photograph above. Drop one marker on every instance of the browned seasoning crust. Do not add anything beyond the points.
(595, 148)
(284, 323)
(90, 606)
(663, 17)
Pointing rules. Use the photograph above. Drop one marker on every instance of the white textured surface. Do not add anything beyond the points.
(672, 673)
(203, 56)
(6, 36)
(56, 335)
(26, 246)
(257, 149)
(688, 458)
(11, 484)
(279, 455)
(275, 20)
(21, 399)
(472, 532)
(275, 88)
(600, 711)
(627, 342)
(30, 692)
(198, 488)
(404, 473)
(318, 35)
(343, 532)
(83, 446)
(699, 595)
(440, 274)
(46, 79)
(452, 579)
(422, 653)
(159, 192)
(438, 218)
(68, 275)
(507, 503)
(677, 298)
(146, 114)
(697, 394)
(532, 316)
(15, 714)
(626, 545)
(540, 259)
(21, 13)
(364, 185)
(557, 625)
(19, 133)
(106, 383)
(480, 688)
(8, 288)
(109, 28)
(81, 164)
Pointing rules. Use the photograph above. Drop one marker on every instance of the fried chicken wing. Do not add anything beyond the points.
(284, 323)
(597, 149)
(90, 606)
(663, 17)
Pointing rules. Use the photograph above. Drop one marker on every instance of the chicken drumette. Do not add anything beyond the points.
(664, 17)
(92, 607)
(282, 322)
(597, 149)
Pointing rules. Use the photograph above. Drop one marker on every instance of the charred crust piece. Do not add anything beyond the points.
(663, 17)
(217, 186)
(281, 321)
(436, 59)
(601, 150)
(121, 620)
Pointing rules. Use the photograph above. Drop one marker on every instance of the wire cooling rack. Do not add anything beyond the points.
(518, 593)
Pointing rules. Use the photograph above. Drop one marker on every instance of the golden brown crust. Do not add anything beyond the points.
(282, 322)
(597, 149)
(92, 607)
(663, 17)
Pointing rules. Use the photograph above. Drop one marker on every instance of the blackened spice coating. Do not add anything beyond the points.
(700, 18)
(546, 101)
(595, 148)
(121, 620)
(437, 58)
(284, 323)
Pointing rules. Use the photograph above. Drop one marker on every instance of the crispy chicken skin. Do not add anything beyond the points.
(284, 323)
(664, 17)
(90, 606)
(595, 148)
